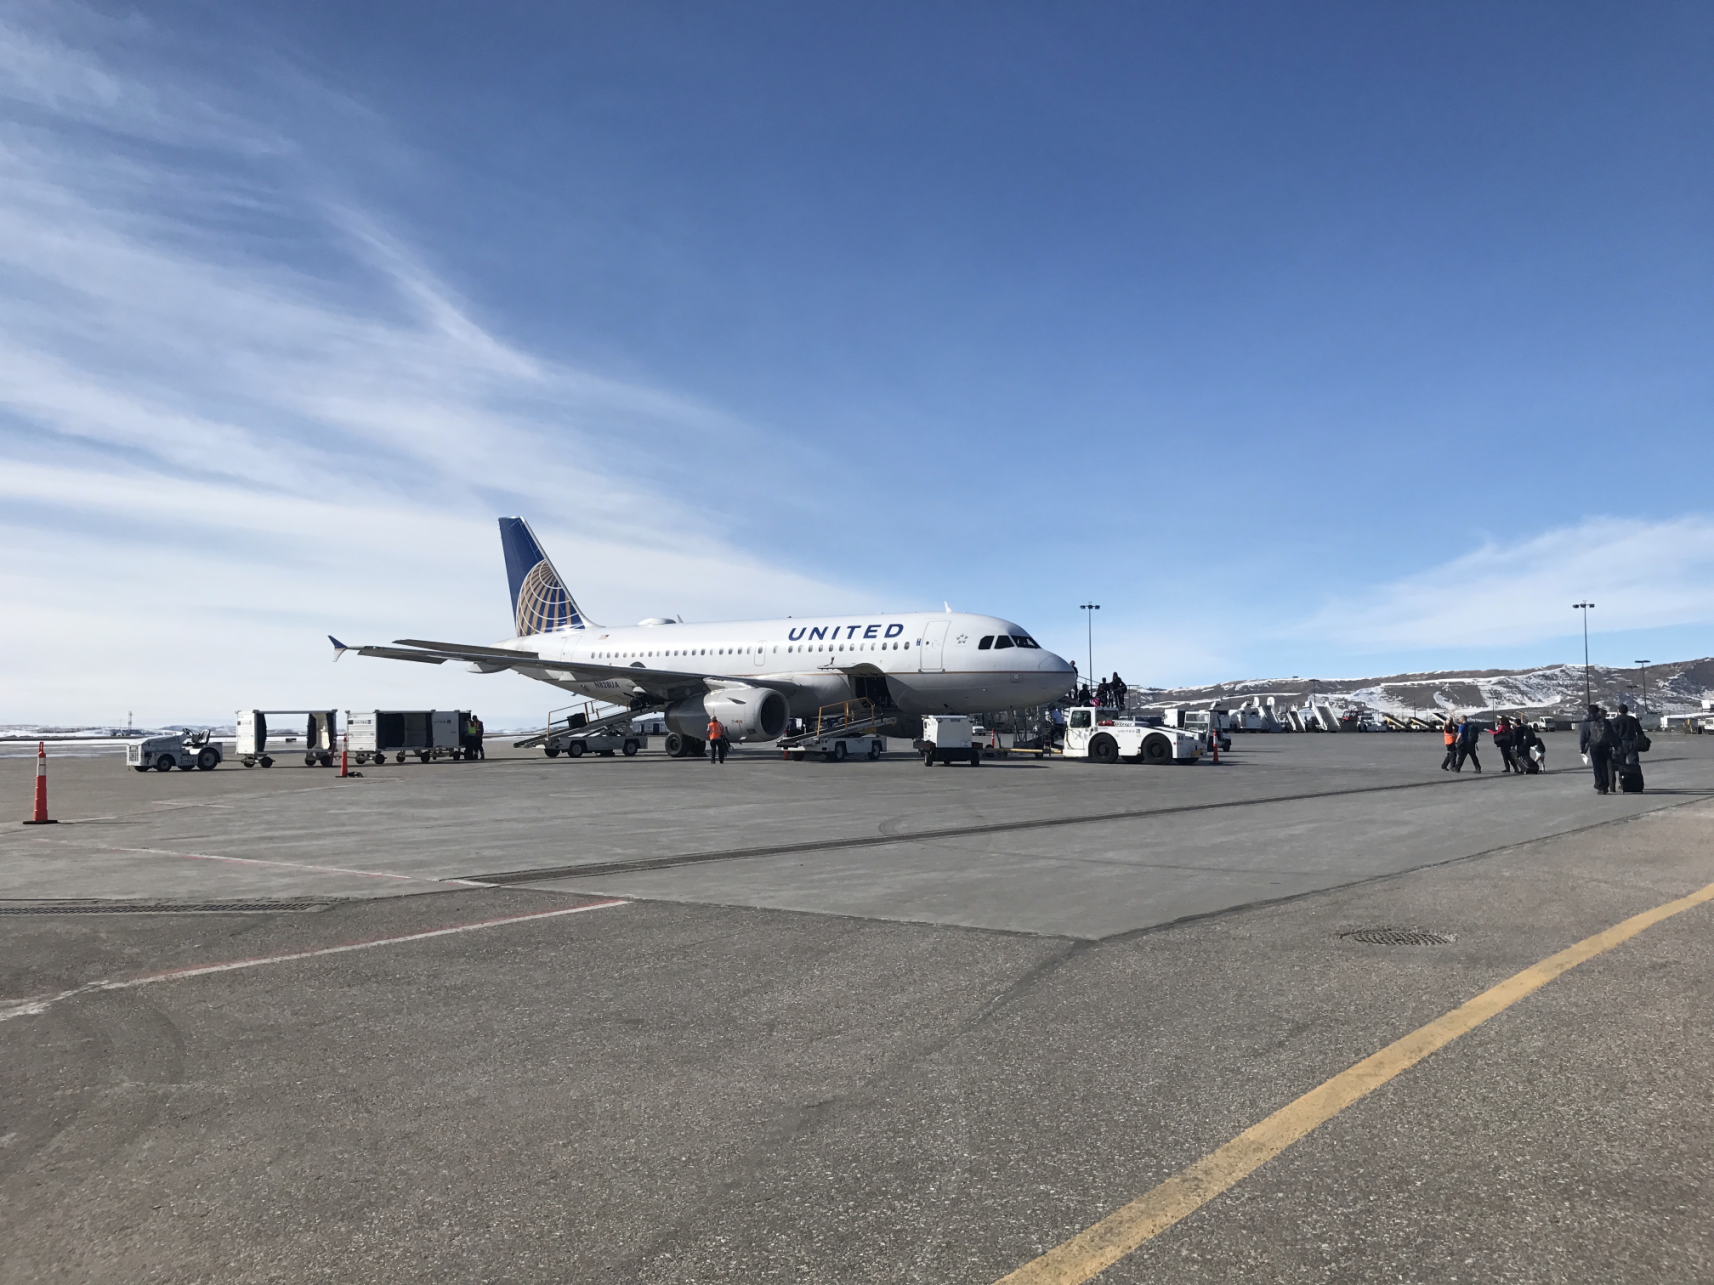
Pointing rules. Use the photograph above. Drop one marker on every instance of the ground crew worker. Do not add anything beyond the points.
(1451, 733)
(716, 741)
(476, 736)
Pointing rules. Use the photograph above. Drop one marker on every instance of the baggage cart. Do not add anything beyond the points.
(320, 737)
(373, 734)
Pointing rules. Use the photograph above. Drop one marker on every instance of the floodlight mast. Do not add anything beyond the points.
(1091, 608)
(1584, 607)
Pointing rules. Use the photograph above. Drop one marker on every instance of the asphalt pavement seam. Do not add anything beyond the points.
(641, 864)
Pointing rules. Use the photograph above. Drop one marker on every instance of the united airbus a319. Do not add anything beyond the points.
(753, 675)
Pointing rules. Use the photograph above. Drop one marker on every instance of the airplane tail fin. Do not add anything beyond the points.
(541, 603)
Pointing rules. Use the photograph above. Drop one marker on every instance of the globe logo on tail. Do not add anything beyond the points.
(543, 604)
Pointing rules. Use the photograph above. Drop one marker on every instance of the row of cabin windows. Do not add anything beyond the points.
(734, 651)
(995, 642)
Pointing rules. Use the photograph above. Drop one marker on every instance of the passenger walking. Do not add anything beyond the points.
(1595, 743)
(1506, 741)
(1531, 752)
(1628, 740)
(1469, 737)
(716, 741)
(1450, 733)
(1121, 693)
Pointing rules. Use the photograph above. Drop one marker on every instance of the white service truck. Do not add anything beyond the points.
(946, 739)
(182, 750)
(1108, 735)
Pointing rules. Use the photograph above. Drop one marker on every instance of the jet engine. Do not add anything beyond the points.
(748, 713)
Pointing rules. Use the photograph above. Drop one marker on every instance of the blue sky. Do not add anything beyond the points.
(1334, 339)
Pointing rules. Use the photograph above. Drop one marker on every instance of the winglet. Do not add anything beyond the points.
(339, 648)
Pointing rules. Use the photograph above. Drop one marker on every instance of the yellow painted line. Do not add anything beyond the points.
(1097, 1248)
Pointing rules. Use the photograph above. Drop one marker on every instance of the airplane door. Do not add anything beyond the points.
(931, 655)
(759, 653)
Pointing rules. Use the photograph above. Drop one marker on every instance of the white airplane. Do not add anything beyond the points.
(750, 674)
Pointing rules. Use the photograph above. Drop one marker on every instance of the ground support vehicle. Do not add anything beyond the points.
(847, 730)
(321, 735)
(372, 734)
(182, 750)
(1108, 735)
(583, 730)
(947, 738)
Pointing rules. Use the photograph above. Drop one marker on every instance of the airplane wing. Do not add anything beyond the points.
(658, 684)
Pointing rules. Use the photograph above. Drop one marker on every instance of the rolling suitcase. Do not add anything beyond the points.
(1630, 778)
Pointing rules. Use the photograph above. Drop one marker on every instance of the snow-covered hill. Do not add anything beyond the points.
(1673, 688)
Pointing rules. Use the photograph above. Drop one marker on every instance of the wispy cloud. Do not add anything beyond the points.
(1640, 574)
(234, 401)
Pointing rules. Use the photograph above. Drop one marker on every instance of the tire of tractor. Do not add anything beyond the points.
(928, 753)
(1156, 751)
(975, 757)
(839, 752)
(1104, 749)
(164, 763)
(630, 749)
(206, 759)
(552, 751)
(575, 749)
(265, 761)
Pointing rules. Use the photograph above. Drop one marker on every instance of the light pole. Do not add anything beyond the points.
(1645, 668)
(1091, 608)
(1584, 607)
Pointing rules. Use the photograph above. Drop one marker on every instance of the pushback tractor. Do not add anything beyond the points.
(1108, 735)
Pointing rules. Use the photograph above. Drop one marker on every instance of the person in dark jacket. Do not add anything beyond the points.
(1596, 743)
(1628, 740)
(1506, 741)
(1531, 752)
(1468, 734)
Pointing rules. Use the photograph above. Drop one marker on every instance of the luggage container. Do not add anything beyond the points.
(320, 738)
(372, 734)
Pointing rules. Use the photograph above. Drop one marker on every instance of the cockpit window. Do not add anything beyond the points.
(1002, 642)
(1024, 640)
(986, 643)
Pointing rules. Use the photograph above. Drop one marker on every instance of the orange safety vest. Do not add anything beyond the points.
(715, 731)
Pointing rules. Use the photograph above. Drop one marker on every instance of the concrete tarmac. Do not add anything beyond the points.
(926, 1057)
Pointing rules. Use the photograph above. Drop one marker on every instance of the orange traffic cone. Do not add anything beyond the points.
(41, 817)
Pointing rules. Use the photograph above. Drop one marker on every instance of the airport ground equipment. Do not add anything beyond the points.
(844, 730)
(1108, 735)
(576, 730)
(372, 734)
(181, 749)
(946, 738)
(321, 735)
(39, 816)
